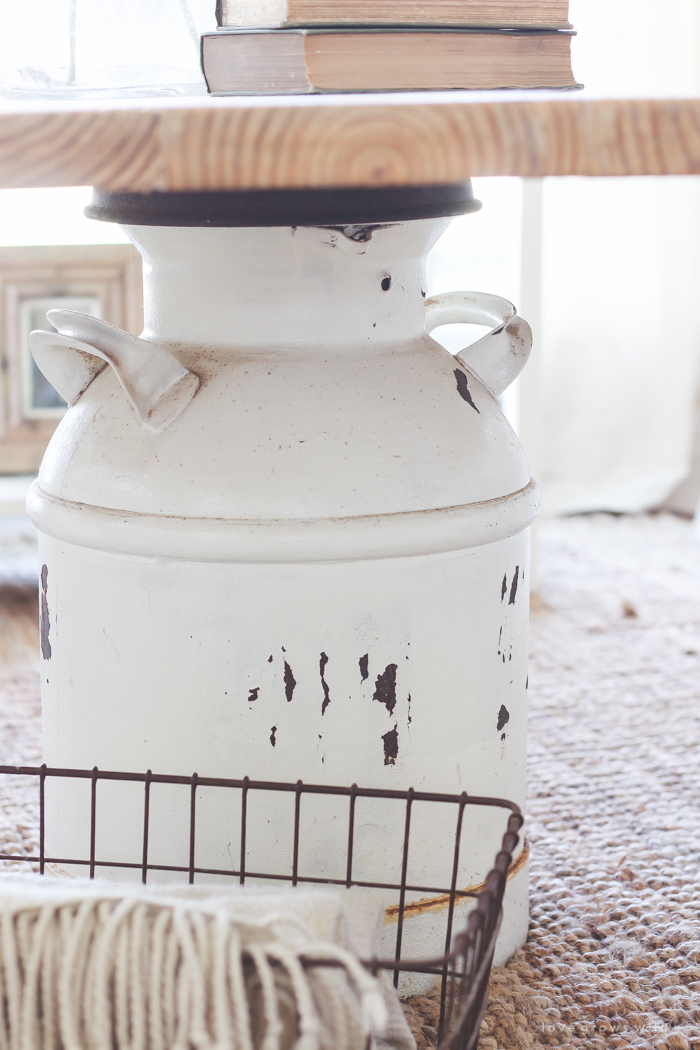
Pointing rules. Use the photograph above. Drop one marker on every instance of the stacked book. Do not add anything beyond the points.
(304, 46)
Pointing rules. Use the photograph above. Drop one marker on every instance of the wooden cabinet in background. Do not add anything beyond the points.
(103, 280)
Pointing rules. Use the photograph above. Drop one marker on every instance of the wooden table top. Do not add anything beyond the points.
(349, 140)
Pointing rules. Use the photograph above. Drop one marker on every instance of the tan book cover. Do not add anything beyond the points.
(504, 14)
(302, 61)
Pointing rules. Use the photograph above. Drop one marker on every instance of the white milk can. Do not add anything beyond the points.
(285, 535)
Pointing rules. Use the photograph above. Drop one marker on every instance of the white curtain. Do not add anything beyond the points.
(611, 282)
(620, 339)
(620, 306)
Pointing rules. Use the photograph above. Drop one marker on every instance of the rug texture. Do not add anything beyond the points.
(613, 957)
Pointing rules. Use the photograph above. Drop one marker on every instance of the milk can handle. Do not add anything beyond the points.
(500, 356)
(156, 384)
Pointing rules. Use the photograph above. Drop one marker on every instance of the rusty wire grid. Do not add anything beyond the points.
(464, 967)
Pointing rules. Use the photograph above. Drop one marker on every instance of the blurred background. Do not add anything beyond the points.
(605, 270)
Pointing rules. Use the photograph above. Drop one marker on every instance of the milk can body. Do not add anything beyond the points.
(317, 569)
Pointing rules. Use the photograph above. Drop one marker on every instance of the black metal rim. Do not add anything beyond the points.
(289, 207)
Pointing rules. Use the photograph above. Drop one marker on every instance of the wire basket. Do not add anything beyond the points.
(464, 967)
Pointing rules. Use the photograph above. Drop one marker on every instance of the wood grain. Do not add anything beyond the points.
(80, 148)
(254, 143)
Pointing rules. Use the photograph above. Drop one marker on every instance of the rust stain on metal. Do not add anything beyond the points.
(463, 387)
(391, 746)
(326, 693)
(385, 688)
(514, 586)
(289, 682)
(443, 901)
(45, 625)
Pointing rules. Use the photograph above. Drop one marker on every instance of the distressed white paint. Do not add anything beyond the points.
(156, 384)
(335, 506)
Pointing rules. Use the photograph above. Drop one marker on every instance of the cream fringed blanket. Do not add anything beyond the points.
(94, 966)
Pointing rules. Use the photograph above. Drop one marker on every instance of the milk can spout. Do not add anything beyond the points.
(157, 385)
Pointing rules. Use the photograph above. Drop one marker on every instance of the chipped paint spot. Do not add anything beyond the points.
(326, 694)
(253, 694)
(409, 709)
(503, 718)
(45, 625)
(269, 659)
(273, 731)
(504, 588)
(463, 387)
(289, 682)
(359, 234)
(391, 746)
(385, 688)
(364, 667)
(514, 586)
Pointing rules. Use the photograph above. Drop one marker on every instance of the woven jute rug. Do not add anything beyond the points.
(613, 957)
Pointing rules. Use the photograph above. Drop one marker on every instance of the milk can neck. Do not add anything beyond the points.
(257, 287)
